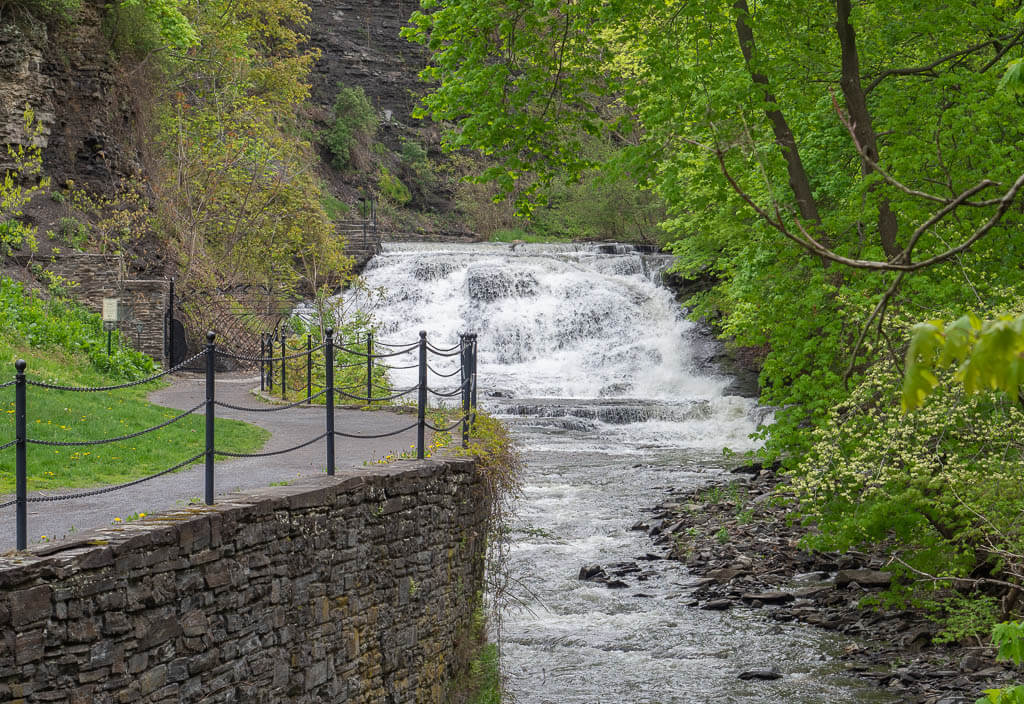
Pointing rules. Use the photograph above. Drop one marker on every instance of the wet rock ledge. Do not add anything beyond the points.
(743, 554)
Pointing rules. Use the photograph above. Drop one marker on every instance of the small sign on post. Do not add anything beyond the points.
(111, 317)
(111, 310)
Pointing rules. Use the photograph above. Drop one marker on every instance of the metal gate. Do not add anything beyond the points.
(240, 315)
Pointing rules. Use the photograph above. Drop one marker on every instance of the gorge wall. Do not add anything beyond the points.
(358, 588)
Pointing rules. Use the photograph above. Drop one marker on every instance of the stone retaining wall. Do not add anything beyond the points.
(356, 588)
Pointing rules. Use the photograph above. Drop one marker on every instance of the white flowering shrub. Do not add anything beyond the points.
(943, 485)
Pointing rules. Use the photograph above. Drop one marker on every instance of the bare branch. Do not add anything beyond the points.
(902, 261)
(929, 67)
(954, 581)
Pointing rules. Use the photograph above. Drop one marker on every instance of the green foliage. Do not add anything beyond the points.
(392, 188)
(1013, 78)
(498, 459)
(486, 674)
(529, 84)
(150, 25)
(335, 209)
(989, 356)
(1009, 638)
(521, 235)
(51, 10)
(355, 124)
(71, 231)
(413, 152)
(17, 187)
(964, 617)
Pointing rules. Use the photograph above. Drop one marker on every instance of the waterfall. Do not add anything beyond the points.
(590, 323)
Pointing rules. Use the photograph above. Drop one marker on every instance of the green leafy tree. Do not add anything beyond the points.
(842, 169)
(354, 126)
(236, 190)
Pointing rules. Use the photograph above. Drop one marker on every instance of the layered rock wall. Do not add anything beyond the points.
(356, 589)
(360, 46)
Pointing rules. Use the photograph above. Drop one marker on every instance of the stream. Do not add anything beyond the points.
(589, 359)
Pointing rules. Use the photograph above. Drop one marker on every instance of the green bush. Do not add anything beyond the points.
(355, 123)
(392, 188)
(942, 483)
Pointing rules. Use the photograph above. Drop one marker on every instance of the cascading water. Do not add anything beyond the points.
(589, 359)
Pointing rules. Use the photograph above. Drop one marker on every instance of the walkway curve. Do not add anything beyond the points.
(63, 519)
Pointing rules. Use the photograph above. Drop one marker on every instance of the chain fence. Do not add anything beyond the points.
(321, 355)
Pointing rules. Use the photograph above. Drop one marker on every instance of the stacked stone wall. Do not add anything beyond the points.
(357, 589)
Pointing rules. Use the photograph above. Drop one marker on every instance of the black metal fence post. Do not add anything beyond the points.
(369, 367)
(284, 366)
(464, 376)
(421, 406)
(309, 365)
(169, 327)
(263, 364)
(270, 362)
(211, 359)
(472, 376)
(21, 471)
(329, 383)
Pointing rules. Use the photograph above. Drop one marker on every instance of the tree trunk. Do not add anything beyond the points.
(798, 181)
(860, 117)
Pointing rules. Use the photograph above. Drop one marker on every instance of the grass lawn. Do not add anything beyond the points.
(67, 416)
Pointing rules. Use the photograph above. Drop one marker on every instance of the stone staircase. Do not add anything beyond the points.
(363, 240)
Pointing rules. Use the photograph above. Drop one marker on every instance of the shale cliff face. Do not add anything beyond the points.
(69, 78)
(361, 46)
(74, 84)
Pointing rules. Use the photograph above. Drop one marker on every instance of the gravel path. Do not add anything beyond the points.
(288, 428)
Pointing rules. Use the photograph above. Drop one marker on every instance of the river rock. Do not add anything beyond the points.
(767, 597)
(971, 663)
(726, 574)
(592, 573)
(863, 577)
(620, 569)
(717, 605)
(772, 673)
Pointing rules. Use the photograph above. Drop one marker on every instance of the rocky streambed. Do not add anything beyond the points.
(742, 554)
